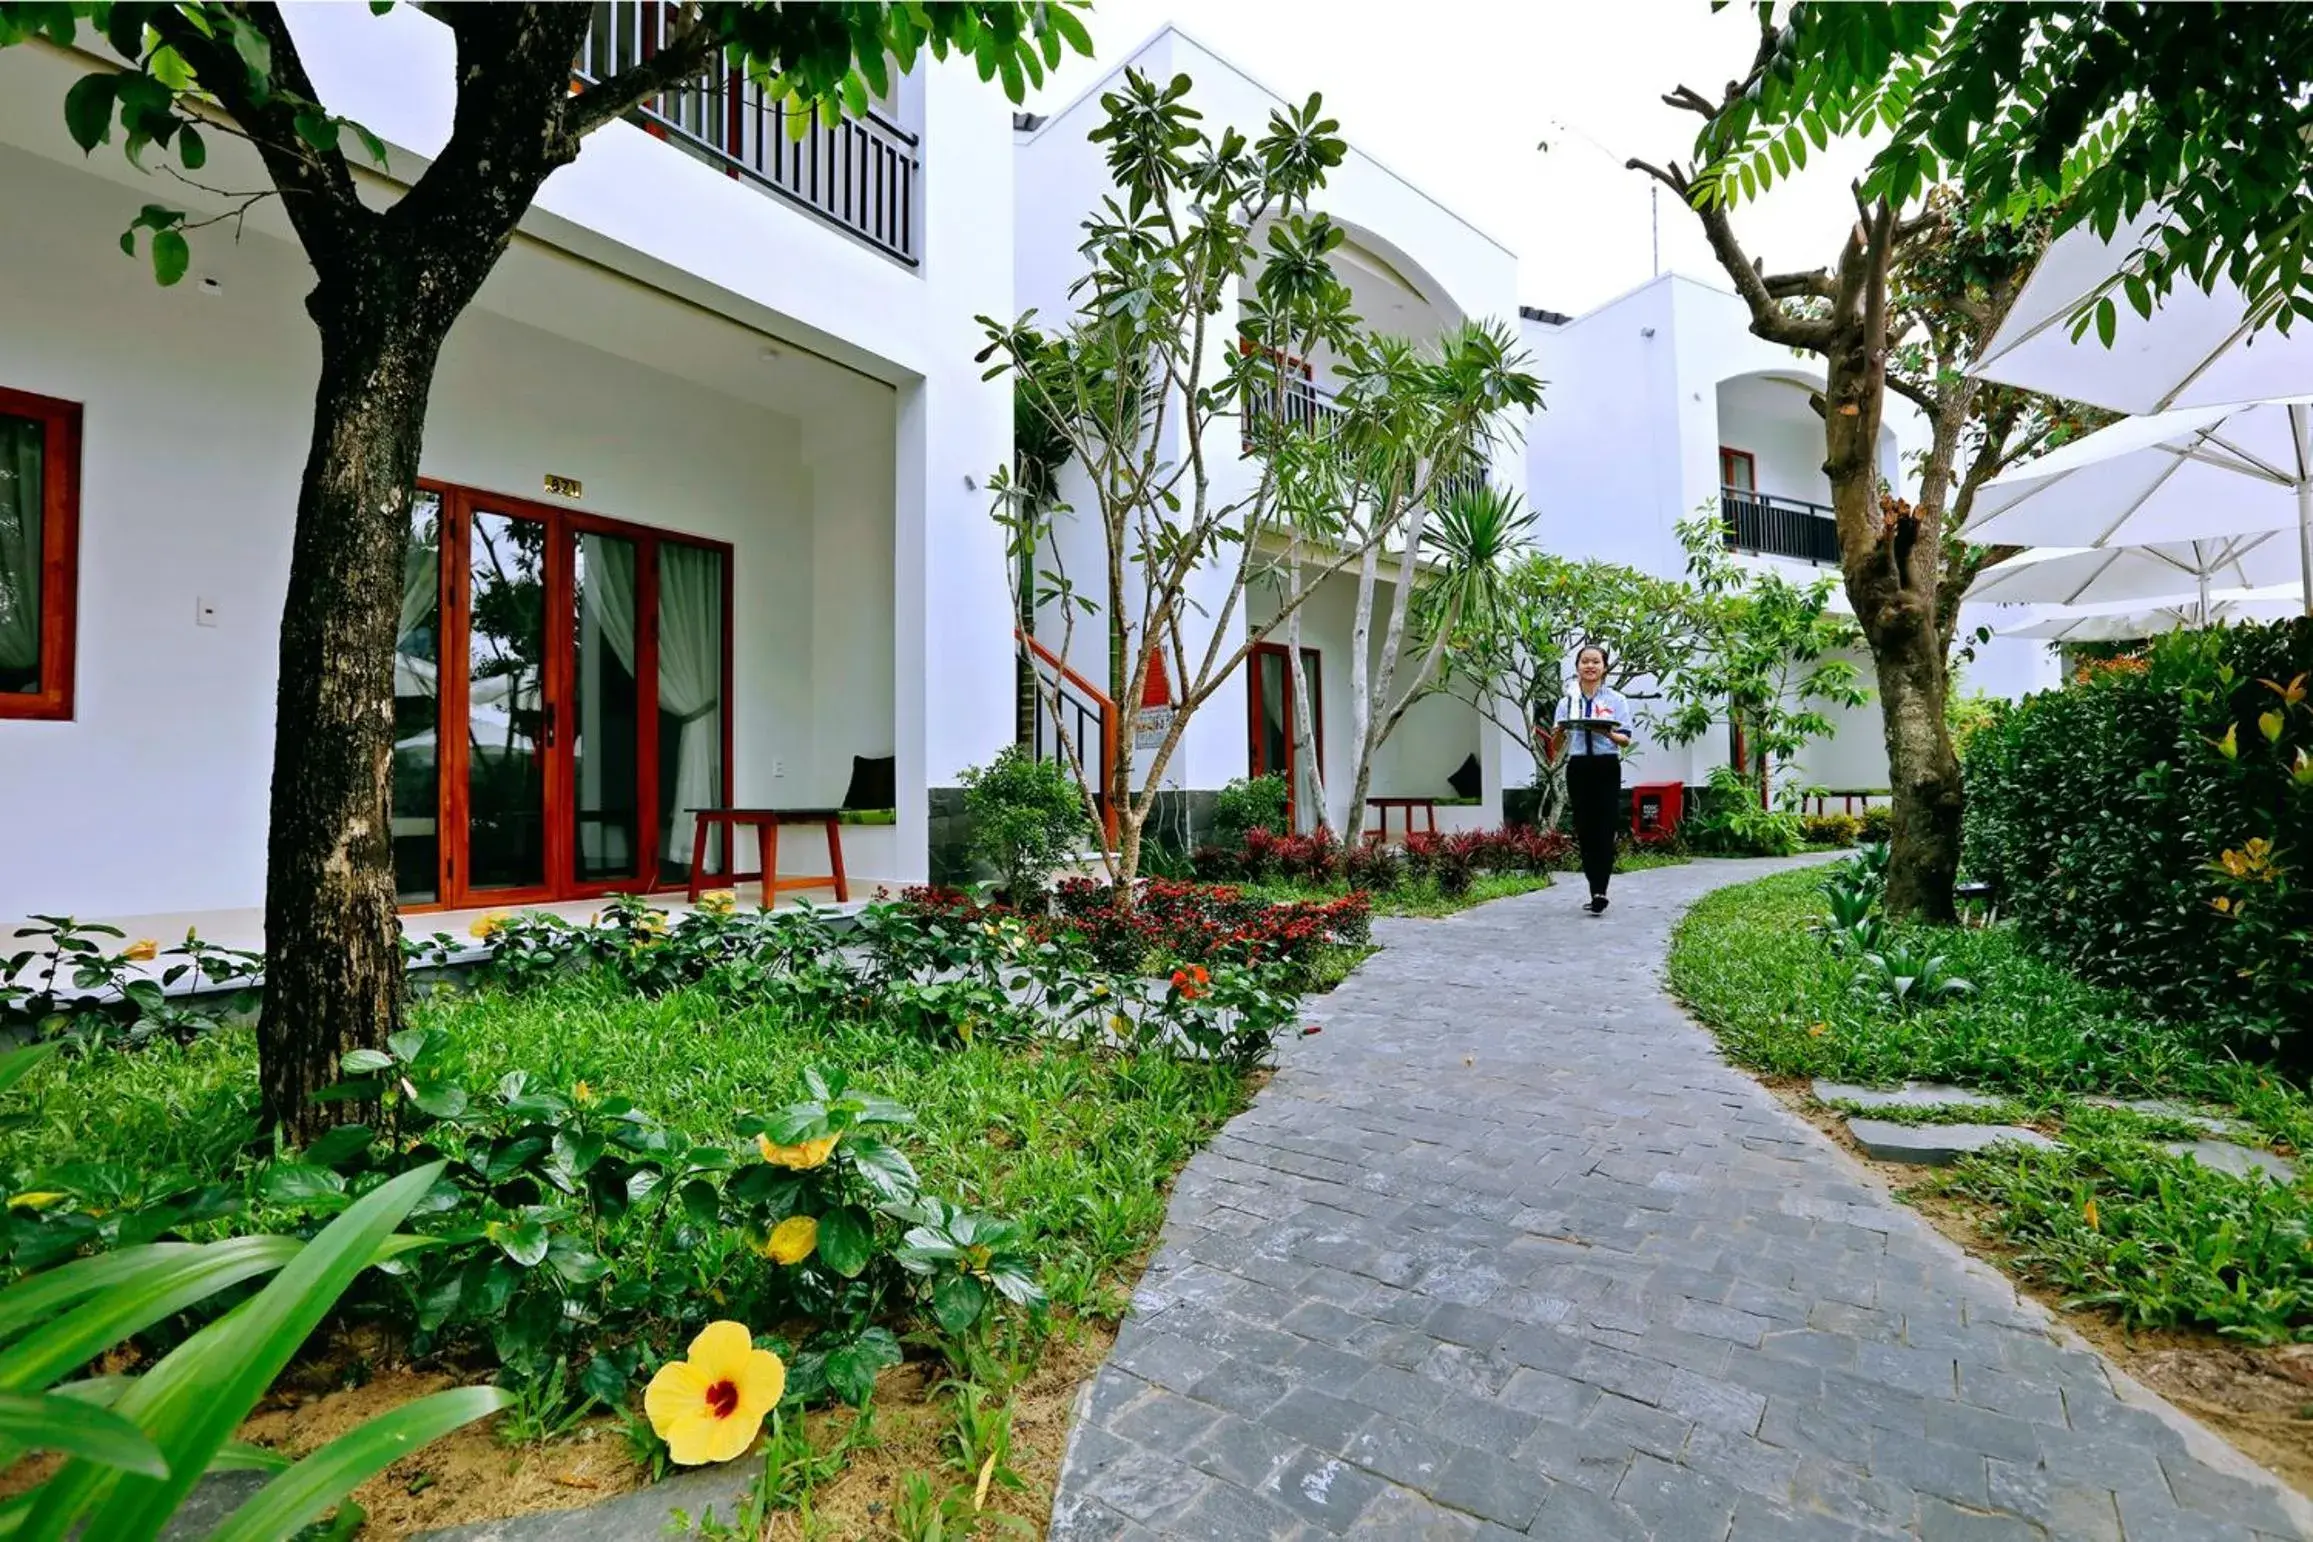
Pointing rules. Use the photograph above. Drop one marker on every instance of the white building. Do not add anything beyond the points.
(1662, 405)
(721, 377)
(1414, 268)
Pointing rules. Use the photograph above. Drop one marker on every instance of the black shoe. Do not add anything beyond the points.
(1597, 905)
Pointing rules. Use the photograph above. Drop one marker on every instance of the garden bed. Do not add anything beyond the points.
(2198, 1282)
(1011, 1103)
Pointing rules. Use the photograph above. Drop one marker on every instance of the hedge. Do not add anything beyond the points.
(2151, 823)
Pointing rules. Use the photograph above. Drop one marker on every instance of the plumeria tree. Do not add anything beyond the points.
(394, 268)
(1767, 659)
(1170, 368)
(1511, 661)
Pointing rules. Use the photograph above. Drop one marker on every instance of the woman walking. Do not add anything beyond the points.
(1593, 728)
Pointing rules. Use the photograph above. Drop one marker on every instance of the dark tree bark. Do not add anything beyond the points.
(390, 285)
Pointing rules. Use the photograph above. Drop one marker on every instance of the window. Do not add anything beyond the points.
(39, 541)
(1738, 472)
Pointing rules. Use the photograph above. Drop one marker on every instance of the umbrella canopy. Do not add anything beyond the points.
(2196, 477)
(2119, 574)
(2127, 625)
(2196, 349)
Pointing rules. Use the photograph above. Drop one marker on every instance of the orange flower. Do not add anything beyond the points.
(142, 951)
(708, 1408)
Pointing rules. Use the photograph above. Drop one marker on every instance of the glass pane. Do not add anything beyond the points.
(1272, 747)
(505, 720)
(22, 538)
(417, 829)
(607, 837)
(690, 700)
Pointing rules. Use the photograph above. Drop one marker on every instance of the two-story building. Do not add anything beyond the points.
(700, 518)
(1664, 406)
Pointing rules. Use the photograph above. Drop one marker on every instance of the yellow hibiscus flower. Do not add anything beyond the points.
(709, 1407)
(801, 1157)
(142, 951)
(487, 927)
(719, 902)
(792, 1240)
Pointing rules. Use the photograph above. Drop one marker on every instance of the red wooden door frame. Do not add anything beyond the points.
(1255, 700)
(453, 886)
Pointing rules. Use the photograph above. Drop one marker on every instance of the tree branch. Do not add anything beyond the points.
(684, 54)
(1769, 320)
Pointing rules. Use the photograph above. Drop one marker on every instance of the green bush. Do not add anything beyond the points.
(2149, 823)
(1727, 821)
(1875, 824)
(1248, 804)
(1027, 817)
(1833, 829)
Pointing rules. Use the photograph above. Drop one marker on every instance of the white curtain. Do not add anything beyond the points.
(691, 682)
(606, 595)
(21, 443)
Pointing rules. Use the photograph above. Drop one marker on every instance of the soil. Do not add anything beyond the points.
(2259, 1398)
(472, 1475)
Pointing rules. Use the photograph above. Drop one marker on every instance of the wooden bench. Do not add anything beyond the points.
(1407, 807)
(766, 823)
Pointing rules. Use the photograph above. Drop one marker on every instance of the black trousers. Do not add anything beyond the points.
(1594, 797)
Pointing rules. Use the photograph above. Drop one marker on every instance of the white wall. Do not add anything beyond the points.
(194, 435)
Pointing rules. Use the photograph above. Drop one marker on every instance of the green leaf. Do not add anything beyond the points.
(525, 1241)
(191, 1401)
(884, 1167)
(441, 1101)
(336, 1145)
(319, 1481)
(171, 256)
(17, 1064)
(300, 1183)
(256, 54)
(566, 1257)
(46, 1422)
(88, 109)
(2107, 320)
(846, 1241)
(700, 1202)
(131, 1302)
(957, 1301)
(360, 1062)
(371, 145)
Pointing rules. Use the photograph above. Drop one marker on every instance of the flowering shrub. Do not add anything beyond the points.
(1832, 829)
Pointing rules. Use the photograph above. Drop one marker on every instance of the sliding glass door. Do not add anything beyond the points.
(559, 702)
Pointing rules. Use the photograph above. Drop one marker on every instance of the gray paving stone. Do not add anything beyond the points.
(1587, 1282)
(1909, 1095)
(1936, 1145)
(2225, 1157)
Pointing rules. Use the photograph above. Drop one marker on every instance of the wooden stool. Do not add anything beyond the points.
(766, 823)
(1408, 807)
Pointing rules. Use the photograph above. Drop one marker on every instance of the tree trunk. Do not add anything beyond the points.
(1923, 865)
(333, 962)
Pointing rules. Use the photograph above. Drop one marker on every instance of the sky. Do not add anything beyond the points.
(1456, 95)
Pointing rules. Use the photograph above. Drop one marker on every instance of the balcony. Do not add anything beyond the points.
(1779, 527)
(1301, 406)
(859, 176)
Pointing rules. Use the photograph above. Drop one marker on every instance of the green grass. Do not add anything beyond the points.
(2107, 1219)
(1081, 1148)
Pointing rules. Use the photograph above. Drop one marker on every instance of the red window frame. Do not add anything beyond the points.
(1255, 692)
(59, 554)
(1727, 459)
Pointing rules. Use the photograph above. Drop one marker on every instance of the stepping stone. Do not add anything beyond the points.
(1909, 1095)
(2240, 1161)
(2168, 1108)
(1936, 1145)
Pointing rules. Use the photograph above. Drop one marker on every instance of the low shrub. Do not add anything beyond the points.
(1247, 804)
(1876, 823)
(1832, 829)
(2150, 824)
(1727, 821)
(1027, 816)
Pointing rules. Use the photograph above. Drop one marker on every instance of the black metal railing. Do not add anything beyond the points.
(859, 176)
(1779, 527)
(1455, 484)
(1065, 718)
(1301, 405)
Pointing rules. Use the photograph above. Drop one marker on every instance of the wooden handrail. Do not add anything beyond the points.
(1109, 718)
(1060, 667)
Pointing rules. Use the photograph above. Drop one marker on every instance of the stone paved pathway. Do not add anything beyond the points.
(1508, 1249)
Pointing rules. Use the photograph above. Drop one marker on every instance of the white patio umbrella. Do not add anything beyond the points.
(2197, 348)
(2127, 625)
(2116, 574)
(2196, 477)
